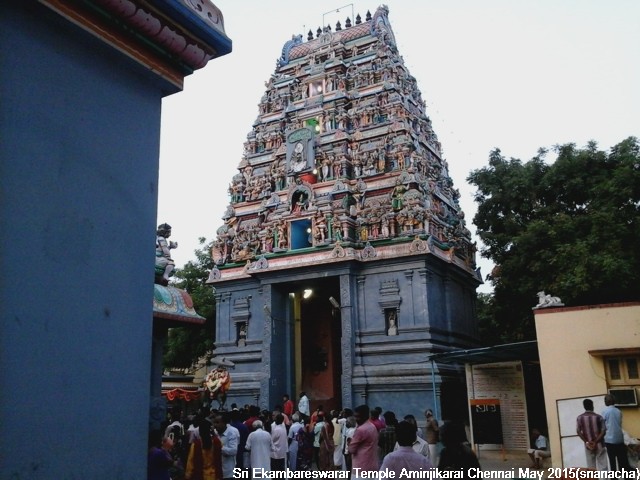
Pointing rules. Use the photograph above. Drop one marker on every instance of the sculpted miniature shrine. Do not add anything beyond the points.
(172, 307)
(344, 260)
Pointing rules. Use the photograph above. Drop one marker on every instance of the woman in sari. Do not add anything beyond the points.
(205, 455)
(327, 446)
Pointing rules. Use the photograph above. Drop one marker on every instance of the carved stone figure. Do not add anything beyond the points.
(247, 172)
(336, 229)
(280, 178)
(385, 227)
(370, 164)
(267, 240)
(373, 218)
(298, 160)
(236, 189)
(392, 328)
(357, 168)
(382, 160)
(319, 228)
(396, 195)
(242, 335)
(299, 201)
(336, 166)
(546, 301)
(218, 253)
(325, 169)
(283, 239)
(164, 262)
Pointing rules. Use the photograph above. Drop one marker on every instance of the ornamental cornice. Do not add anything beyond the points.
(338, 254)
(171, 38)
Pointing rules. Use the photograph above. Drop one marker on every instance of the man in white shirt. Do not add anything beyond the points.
(280, 444)
(303, 405)
(260, 446)
(338, 423)
(540, 450)
(230, 438)
(293, 441)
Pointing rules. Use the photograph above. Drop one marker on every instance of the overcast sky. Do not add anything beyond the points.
(510, 74)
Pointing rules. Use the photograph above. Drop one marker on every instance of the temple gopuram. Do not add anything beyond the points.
(344, 261)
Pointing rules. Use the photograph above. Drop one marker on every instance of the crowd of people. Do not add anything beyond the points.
(214, 445)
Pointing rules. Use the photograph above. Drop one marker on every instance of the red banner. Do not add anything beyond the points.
(180, 394)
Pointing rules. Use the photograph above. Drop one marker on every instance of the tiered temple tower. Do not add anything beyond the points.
(344, 260)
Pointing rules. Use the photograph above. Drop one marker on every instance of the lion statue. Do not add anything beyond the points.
(546, 301)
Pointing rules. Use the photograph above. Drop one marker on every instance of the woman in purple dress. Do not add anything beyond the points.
(159, 460)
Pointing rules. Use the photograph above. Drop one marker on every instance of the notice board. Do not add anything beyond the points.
(486, 420)
(503, 381)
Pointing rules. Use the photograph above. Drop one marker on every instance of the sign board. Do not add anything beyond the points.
(486, 420)
(503, 381)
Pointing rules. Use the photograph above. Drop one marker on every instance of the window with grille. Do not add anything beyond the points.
(623, 370)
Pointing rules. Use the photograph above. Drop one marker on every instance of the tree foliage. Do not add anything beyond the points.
(487, 326)
(186, 345)
(570, 228)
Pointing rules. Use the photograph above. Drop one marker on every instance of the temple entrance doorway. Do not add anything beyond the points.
(316, 339)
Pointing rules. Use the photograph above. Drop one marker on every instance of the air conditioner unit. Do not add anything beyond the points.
(624, 397)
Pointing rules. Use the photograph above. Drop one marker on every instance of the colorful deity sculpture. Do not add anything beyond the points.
(217, 383)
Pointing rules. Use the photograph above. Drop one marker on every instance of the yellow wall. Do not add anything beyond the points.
(565, 336)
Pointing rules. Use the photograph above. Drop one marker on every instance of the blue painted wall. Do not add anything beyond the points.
(79, 147)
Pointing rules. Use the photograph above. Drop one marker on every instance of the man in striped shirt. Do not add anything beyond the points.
(591, 429)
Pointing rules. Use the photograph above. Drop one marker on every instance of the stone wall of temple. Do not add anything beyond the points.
(342, 186)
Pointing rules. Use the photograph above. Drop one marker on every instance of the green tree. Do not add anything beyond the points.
(185, 345)
(570, 228)
(486, 321)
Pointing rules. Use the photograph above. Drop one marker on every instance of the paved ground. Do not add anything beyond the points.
(498, 460)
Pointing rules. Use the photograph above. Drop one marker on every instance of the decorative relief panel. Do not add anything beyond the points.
(389, 294)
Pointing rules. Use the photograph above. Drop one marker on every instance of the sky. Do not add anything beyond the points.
(516, 75)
